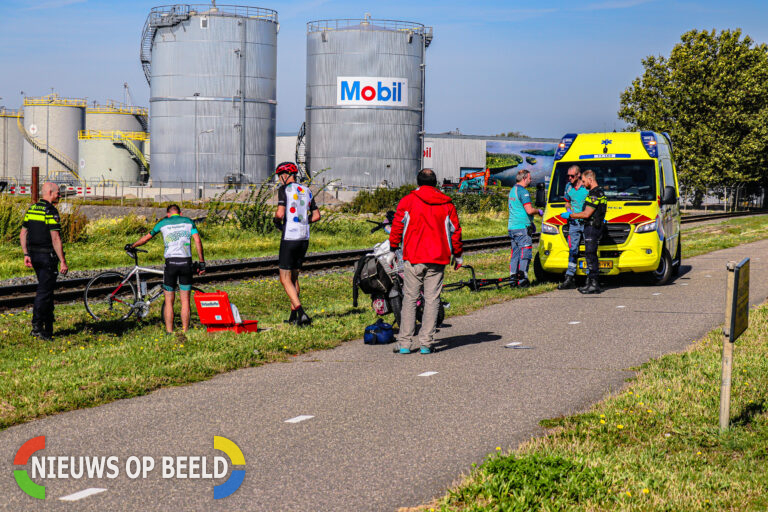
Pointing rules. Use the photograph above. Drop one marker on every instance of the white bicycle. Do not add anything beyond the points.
(114, 296)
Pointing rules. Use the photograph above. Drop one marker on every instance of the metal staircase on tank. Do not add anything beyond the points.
(69, 164)
(159, 17)
(301, 151)
(120, 139)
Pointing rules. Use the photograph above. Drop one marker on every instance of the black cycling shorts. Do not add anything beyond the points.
(177, 270)
(292, 254)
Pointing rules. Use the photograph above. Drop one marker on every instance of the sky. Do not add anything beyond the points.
(543, 68)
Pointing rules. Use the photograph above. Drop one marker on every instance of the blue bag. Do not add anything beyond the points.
(380, 333)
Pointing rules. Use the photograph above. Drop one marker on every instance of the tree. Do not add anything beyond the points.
(711, 95)
(513, 135)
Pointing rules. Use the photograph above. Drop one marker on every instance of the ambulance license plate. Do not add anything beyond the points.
(603, 264)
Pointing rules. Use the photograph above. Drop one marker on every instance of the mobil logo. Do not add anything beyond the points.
(370, 91)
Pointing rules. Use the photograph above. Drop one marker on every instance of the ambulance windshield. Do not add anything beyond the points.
(621, 180)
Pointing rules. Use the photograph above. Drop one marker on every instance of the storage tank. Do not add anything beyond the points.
(212, 75)
(116, 116)
(112, 157)
(51, 125)
(11, 143)
(365, 99)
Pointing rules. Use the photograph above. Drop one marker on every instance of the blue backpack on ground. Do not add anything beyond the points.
(378, 333)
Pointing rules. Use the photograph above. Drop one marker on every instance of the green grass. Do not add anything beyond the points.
(654, 446)
(91, 363)
(103, 247)
(706, 238)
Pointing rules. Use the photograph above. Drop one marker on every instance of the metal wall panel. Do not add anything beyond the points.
(364, 145)
(102, 161)
(61, 123)
(188, 59)
(11, 148)
(449, 155)
(109, 121)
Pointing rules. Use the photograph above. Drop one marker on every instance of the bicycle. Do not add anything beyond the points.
(475, 284)
(105, 301)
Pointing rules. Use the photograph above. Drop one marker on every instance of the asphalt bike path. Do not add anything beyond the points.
(360, 428)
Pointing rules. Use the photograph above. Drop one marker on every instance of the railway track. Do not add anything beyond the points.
(72, 289)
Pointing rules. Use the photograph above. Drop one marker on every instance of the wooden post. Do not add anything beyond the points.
(35, 184)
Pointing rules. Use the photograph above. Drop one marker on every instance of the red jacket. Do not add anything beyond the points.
(427, 225)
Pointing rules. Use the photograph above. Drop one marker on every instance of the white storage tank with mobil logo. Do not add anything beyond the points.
(113, 157)
(212, 76)
(365, 100)
(11, 143)
(50, 128)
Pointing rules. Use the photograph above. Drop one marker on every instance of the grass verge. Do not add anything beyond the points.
(654, 446)
(91, 363)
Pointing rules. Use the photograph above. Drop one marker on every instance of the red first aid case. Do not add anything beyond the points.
(215, 313)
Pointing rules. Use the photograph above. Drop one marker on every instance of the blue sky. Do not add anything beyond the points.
(542, 68)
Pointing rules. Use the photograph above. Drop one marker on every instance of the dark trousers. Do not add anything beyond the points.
(591, 239)
(46, 267)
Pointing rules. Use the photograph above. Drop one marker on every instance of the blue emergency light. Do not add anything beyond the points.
(650, 144)
(564, 146)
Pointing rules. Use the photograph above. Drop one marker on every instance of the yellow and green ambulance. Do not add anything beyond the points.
(642, 225)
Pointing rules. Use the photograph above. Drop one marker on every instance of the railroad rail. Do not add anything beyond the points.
(72, 289)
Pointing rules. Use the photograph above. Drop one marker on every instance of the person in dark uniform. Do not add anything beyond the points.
(296, 210)
(43, 251)
(593, 214)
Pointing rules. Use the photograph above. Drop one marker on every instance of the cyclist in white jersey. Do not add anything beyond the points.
(178, 232)
(296, 210)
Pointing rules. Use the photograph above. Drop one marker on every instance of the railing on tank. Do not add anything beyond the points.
(11, 113)
(369, 23)
(55, 99)
(110, 134)
(113, 107)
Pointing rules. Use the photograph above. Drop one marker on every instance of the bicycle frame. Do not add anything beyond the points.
(475, 284)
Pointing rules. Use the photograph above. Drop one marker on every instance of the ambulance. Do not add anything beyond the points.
(642, 224)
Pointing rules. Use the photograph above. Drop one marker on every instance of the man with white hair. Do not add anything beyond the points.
(43, 251)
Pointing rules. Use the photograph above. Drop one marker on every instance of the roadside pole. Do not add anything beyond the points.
(736, 322)
(35, 184)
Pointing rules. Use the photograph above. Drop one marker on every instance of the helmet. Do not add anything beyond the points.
(288, 167)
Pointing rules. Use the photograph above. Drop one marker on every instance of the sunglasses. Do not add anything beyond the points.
(573, 175)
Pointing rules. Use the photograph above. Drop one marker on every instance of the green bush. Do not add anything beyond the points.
(380, 200)
(74, 226)
(476, 203)
(11, 216)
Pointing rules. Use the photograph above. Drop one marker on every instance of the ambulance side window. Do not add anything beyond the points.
(669, 176)
(661, 177)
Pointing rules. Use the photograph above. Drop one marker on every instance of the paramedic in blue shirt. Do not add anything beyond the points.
(520, 229)
(178, 232)
(575, 195)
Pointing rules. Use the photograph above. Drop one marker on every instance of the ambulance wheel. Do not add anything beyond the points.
(663, 273)
(542, 275)
(678, 259)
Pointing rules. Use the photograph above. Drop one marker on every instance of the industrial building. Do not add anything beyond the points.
(11, 146)
(365, 99)
(453, 155)
(212, 74)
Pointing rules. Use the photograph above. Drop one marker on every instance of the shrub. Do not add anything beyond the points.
(11, 216)
(475, 203)
(131, 224)
(74, 226)
(380, 200)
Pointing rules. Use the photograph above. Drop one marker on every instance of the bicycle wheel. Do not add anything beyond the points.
(106, 299)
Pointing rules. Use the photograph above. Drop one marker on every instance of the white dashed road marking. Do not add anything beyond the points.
(573, 323)
(620, 307)
(657, 293)
(297, 419)
(427, 374)
(82, 494)
(513, 344)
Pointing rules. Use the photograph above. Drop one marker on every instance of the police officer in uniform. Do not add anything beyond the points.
(43, 251)
(593, 214)
(296, 210)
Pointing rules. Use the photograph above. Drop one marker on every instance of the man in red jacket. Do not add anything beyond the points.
(427, 227)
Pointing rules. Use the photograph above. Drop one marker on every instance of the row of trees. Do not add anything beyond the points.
(711, 95)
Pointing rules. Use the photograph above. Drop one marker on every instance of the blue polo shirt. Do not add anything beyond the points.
(576, 196)
(518, 217)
